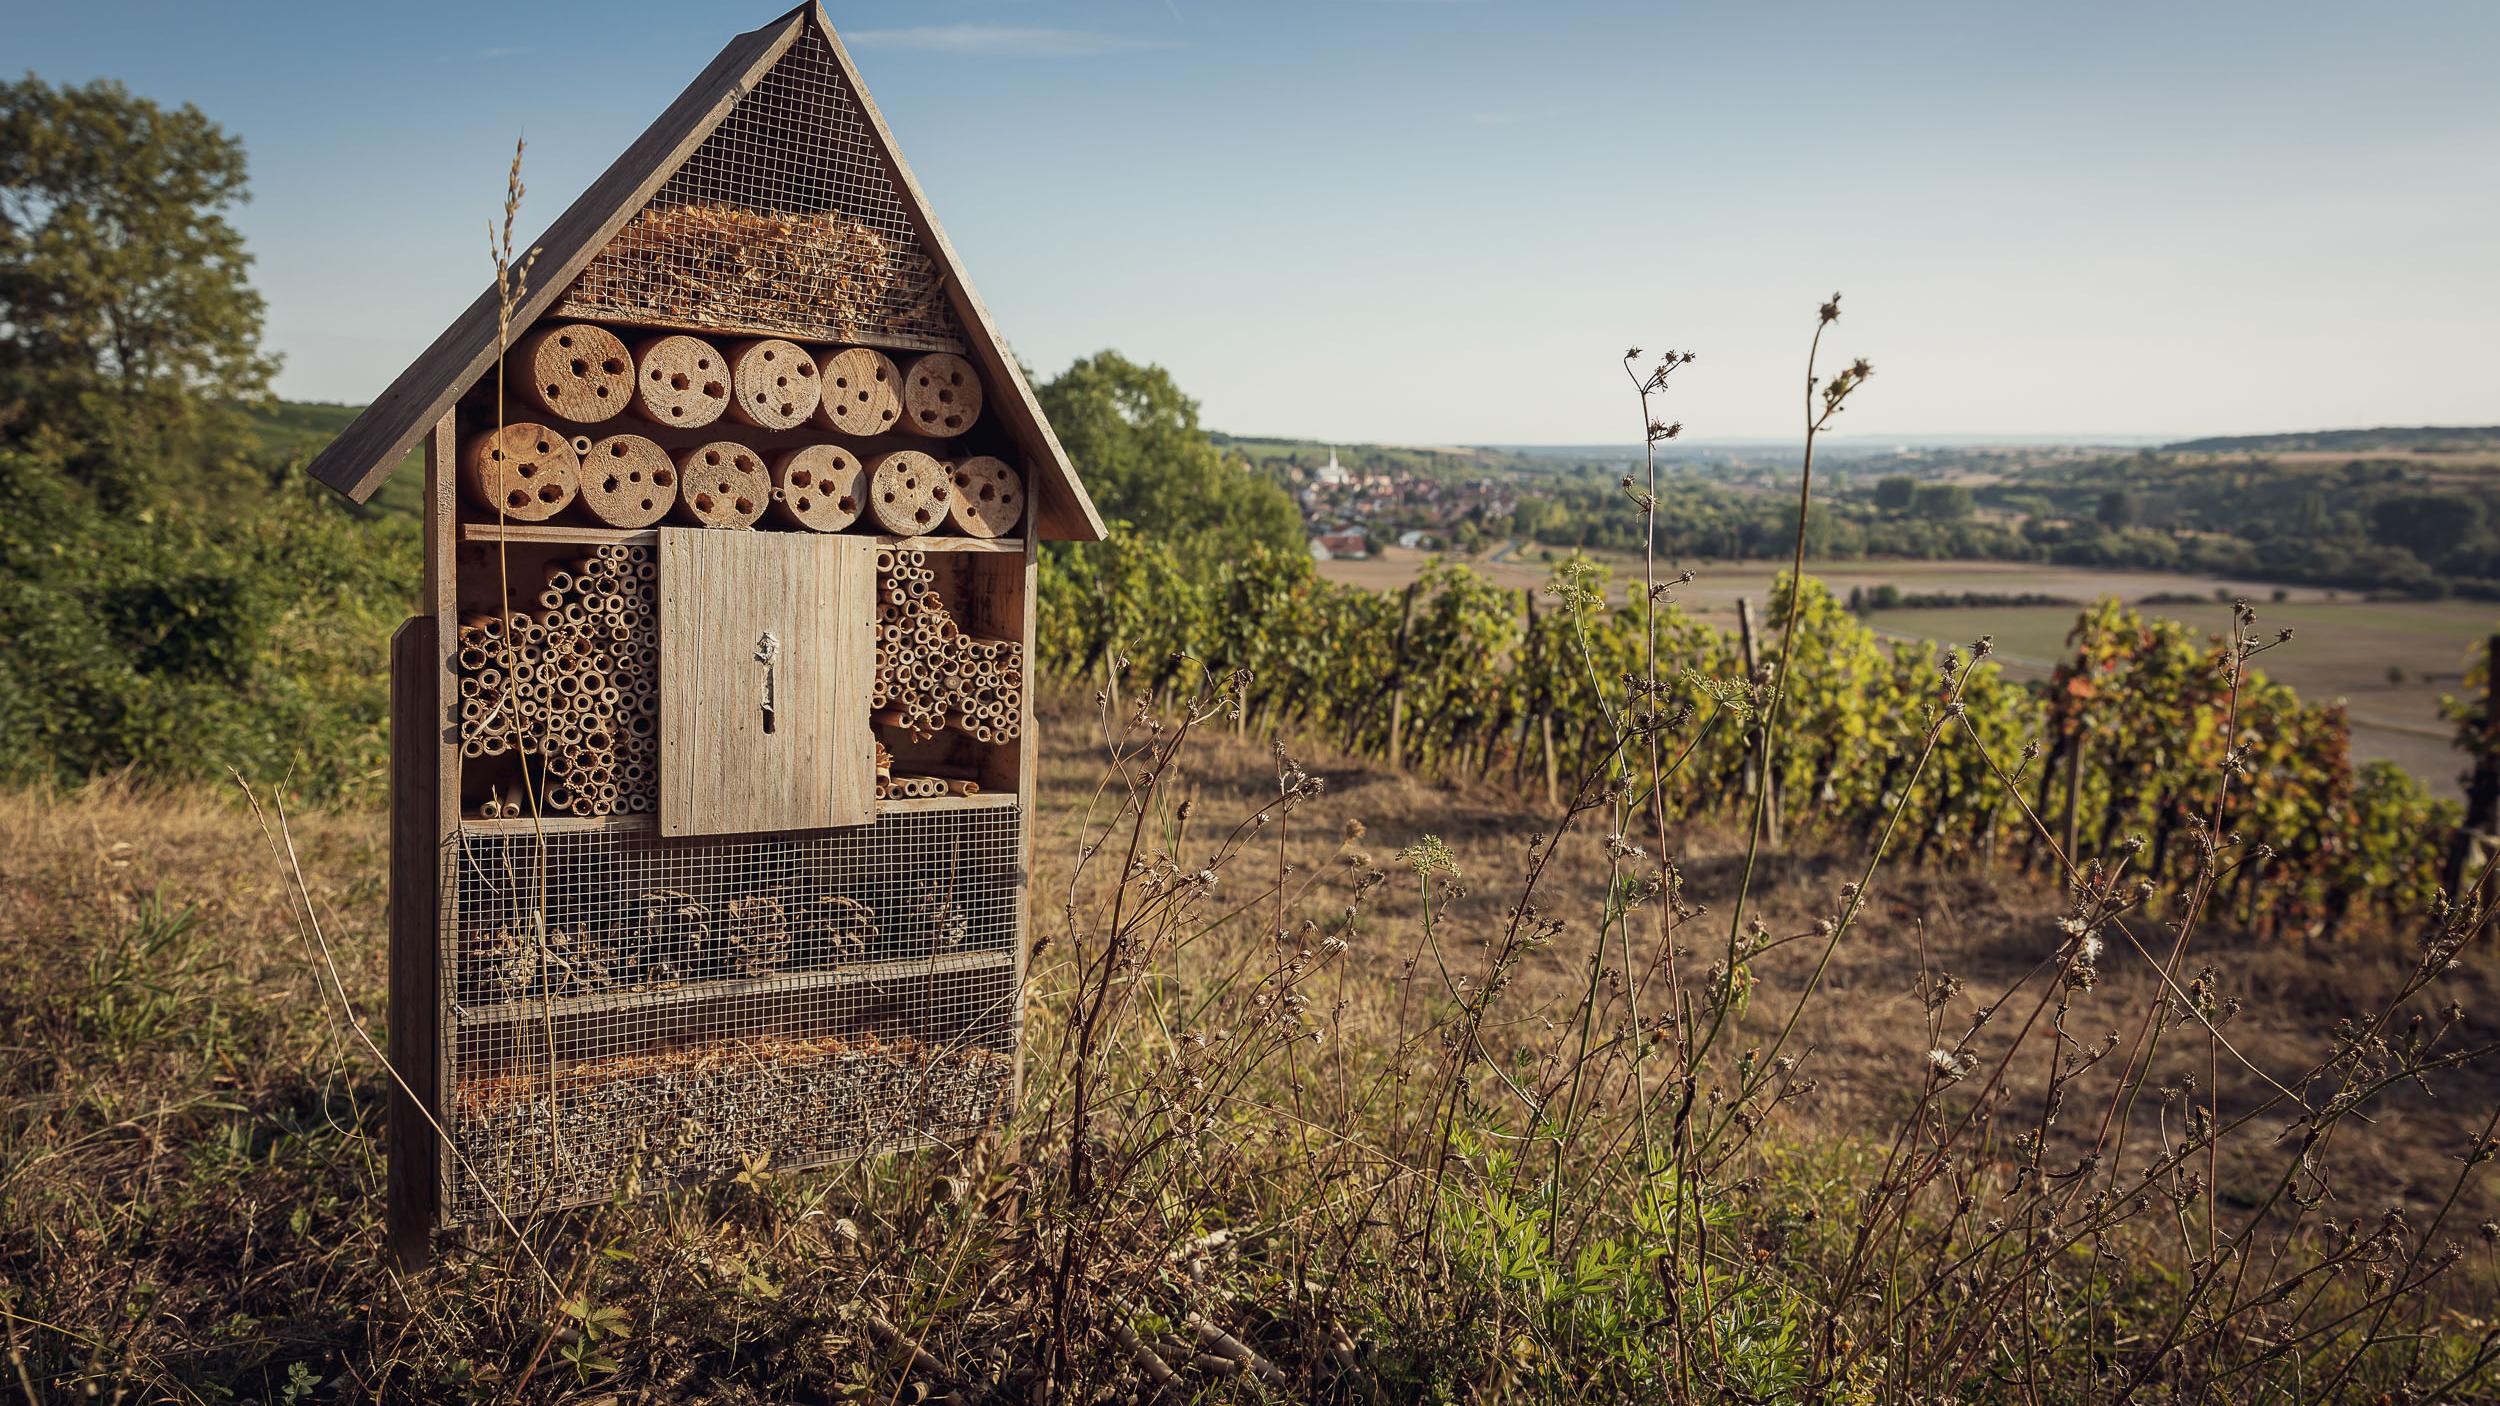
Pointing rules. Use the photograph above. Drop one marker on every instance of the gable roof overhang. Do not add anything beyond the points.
(365, 453)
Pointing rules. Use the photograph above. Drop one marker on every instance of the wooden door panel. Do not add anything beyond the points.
(749, 742)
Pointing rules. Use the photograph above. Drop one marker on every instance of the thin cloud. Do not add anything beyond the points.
(1023, 41)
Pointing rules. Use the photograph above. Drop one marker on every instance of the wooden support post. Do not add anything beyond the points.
(1397, 675)
(1751, 785)
(1758, 778)
(2072, 823)
(411, 1033)
(1553, 774)
(2482, 784)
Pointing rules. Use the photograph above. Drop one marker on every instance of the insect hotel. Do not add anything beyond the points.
(712, 745)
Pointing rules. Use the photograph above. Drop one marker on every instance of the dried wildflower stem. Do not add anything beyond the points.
(511, 288)
(1823, 400)
(281, 843)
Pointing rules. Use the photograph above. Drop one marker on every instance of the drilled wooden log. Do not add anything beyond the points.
(573, 371)
(821, 487)
(773, 384)
(941, 395)
(908, 492)
(989, 497)
(680, 381)
(721, 484)
(862, 392)
(628, 481)
(521, 473)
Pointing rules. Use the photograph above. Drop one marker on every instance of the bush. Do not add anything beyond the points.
(180, 640)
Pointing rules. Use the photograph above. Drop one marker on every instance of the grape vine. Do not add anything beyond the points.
(2125, 736)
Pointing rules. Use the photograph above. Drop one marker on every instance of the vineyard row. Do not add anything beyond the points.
(1458, 676)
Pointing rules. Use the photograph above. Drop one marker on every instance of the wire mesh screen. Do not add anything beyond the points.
(633, 1011)
(784, 221)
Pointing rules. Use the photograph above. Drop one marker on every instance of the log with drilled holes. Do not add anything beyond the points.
(521, 473)
(941, 395)
(680, 381)
(628, 481)
(574, 371)
(773, 384)
(908, 492)
(863, 392)
(721, 484)
(821, 487)
(988, 498)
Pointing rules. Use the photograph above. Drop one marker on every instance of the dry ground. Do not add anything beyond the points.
(1867, 1033)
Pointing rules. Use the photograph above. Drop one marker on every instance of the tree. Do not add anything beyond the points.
(1941, 502)
(126, 314)
(2429, 525)
(1135, 441)
(2117, 510)
(1893, 492)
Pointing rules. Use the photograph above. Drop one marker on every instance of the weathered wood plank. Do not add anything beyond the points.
(413, 1192)
(729, 763)
(364, 454)
(1067, 513)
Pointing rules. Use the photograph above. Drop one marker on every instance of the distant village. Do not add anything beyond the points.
(1352, 514)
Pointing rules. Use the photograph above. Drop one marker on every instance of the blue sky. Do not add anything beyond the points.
(1435, 221)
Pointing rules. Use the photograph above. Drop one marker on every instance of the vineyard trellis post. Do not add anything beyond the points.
(1758, 778)
(2074, 795)
(2482, 785)
(1397, 680)
(1540, 700)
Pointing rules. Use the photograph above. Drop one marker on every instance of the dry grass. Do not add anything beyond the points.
(190, 1168)
(1987, 927)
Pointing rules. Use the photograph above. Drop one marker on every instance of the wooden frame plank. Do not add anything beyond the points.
(413, 1198)
(364, 454)
(357, 462)
(777, 984)
(649, 536)
(1068, 516)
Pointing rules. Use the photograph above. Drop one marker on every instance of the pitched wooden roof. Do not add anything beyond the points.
(363, 455)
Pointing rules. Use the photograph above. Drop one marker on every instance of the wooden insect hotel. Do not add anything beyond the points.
(712, 757)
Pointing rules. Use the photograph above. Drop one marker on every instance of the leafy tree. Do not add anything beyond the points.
(2429, 525)
(1893, 492)
(1134, 438)
(2117, 510)
(1941, 502)
(238, 622)
(126, 315)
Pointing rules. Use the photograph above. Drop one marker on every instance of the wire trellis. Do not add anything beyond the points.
(627, 1010)
(783, 222)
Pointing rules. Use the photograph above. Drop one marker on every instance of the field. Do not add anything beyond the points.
(2344, 646)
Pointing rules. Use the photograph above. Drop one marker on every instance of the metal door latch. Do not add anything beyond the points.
(767, 651)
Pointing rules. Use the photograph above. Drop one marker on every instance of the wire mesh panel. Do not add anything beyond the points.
(632, 1011)
(784, 221)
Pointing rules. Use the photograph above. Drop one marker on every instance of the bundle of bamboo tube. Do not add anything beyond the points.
(930, 675)
(574, 684)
